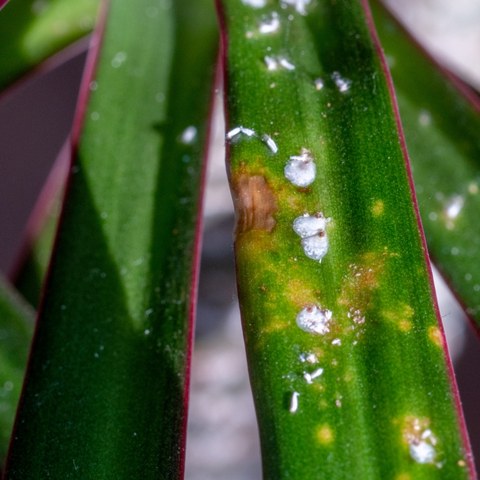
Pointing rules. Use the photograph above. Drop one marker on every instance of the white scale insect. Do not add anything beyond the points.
(312, 230)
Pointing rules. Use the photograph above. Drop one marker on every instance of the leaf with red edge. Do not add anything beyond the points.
(106, 389)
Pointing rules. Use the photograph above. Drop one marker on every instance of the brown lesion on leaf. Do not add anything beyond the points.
(255, 203)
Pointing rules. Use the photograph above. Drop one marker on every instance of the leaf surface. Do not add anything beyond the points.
(107, 384)
(442, 126)
(16, 326)
(346, 356)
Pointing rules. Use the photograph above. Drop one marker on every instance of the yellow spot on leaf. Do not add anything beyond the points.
(300, 294)
(435, 335)
(403, 476)
(361, 281)
(378, 208)
(276, 324)
(324, 435)
(401, 316)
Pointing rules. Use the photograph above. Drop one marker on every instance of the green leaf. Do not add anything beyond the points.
(33, 30)
(16, 325)
(442, 128)
(346, 356)
(106, 387)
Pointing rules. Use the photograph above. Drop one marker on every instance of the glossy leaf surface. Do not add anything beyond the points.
(346, 357)
(106, 387)
(442, 129)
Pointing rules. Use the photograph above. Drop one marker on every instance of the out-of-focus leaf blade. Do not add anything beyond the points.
(16, 326)
(106, 388)
(29, 271)
(442, 129)
(33, 30)
(346, 356)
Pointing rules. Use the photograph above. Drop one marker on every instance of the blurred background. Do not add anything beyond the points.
(222, 437)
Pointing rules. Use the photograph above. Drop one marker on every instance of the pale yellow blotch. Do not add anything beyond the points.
(462, 463)
(435, 335)
(300, 294)
(401, 316)
(362, 279)
(403, 476)
(324, 435)
(473, 188)
(378, 208)
(276, 324)
(349, 376)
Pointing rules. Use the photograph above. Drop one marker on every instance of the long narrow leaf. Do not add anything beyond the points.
(33, 30)
(16, 328)
(442, 129)
(106, 388)
(347, 358)
(29, 271)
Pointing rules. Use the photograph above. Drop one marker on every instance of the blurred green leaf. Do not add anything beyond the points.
(16, 325)
(442, 129)
(33, 30)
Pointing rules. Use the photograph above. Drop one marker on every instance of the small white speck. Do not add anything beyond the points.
(424, 118)
(422, 452)
(338, 403)
(270, 24)
(294, 402)
(276, 62)
(234, 132)
(147, 332)
(343, 84)
(270, 143)
(310, 377)
(309, 358)
(313, 319)
(255, 3)
(336, 341)
(94, 116)
(454, 206)
(308, 225)
(319, 84)
(316, 247)
(299, 5)
(301, 169)
(189, 135)
(119, 59)
(286, 64)
(93, 86)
